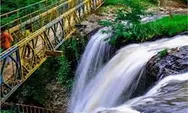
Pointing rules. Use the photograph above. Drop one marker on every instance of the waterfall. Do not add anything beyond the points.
(117, 80)
(97, 52)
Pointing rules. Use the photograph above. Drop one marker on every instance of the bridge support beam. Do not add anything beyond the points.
(53, 53)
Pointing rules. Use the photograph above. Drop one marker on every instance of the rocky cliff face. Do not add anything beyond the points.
(175, 62)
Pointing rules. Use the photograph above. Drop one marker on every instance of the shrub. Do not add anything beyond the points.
(135, 31)
(132, 18)
(64, 72)
(163, 53)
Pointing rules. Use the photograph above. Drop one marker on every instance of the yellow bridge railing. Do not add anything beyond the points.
(17, 16)
(48, 38)
(40, 20)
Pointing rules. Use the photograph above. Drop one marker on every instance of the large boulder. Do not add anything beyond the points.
(174, 62)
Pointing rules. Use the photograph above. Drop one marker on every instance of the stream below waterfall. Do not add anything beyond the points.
(169, 95)
(105, 85)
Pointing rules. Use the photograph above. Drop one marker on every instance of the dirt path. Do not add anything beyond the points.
(170, 7)
(173, 3)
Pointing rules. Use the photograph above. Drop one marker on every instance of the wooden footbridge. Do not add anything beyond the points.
(51, 26)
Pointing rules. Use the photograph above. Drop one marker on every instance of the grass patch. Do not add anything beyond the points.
(164, 27)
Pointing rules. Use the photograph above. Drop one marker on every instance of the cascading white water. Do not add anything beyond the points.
(156, 91)
(97, 52)
(105, 89)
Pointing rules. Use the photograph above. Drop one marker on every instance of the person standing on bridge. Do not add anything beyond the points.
(6, 40)
(27, 33)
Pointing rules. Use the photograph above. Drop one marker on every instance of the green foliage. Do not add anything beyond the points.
(64, 73)
(10, 5)
(73, 48)
(132, 17)
(112, 2)
(34, 87)
(163, 53)
(145, 3)
(7, 111)
(153, 1)
(186, 1)
(134, 31)
(166, 26)
(55, 69)
(136, 10)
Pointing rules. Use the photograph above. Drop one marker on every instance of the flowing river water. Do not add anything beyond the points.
(108, 87)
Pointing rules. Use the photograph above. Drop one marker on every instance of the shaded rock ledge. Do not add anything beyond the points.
(172, 63)
(175, 62)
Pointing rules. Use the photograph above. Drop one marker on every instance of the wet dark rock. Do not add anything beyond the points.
(183, 33)
(175, 62)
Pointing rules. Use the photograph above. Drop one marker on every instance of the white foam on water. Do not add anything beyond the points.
(104, 90)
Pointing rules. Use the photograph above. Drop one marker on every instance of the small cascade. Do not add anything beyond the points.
(116, 110)
(171, 87)
(156, 89)
(97, 53)
(117, 80)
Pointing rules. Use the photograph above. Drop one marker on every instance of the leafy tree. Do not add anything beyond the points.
(125, 21)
